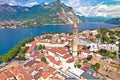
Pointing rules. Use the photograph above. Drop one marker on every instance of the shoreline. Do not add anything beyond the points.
(33, 26)
(115, 26)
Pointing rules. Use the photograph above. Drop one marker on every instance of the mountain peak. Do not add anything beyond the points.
(55, 12)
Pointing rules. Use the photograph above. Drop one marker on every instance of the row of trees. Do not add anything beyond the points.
(107, 53)
(11, 54)
(107, 35)
(22, 43)
(17, 50)
(22, 52)
(41, 47)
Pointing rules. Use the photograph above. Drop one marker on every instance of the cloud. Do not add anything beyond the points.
(31, 4)
(13, 2)
(90, 10)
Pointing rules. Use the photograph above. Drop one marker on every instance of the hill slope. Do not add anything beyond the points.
(92, 19)
(53, 13)
(114, 21)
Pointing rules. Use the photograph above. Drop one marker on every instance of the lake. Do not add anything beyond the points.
(11, 37)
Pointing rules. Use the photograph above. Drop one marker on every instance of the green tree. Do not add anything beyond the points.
(43, 46)
(78, 65)
(96, 66)
(40, 47)
(85, 61)
(43, 59)
(85, 47)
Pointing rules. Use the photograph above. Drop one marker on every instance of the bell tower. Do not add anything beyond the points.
(75, 39)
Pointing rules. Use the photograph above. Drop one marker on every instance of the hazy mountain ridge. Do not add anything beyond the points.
(114, 21)
(53, 13)
(93, 19)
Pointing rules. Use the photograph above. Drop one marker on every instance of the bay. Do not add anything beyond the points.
(10, 37)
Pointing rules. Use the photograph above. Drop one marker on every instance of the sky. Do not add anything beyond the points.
(88, 8)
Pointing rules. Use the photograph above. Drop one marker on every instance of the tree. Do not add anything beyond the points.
(96, 66)
(43, 59)
(22, 43)
(71, 33)
(78, 65)
(41, 51)
(85, 47)
(40, 47)
(85, 61)
(43, 47)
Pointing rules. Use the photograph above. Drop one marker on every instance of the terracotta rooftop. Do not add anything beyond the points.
(4, 75)
(85, 51)
(32, 47)
(62, 50)
(48, 72)
(38, 74)
(17, 71)
(66, 56)
(85, 67)
(30, 63)
(52, 59)
(53, 41)
(51, 69)
(54, 50)
(37, 55)
(70, 60)
(81, 57)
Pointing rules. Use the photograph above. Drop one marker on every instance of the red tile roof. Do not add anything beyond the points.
(70, 60)
(6, 75)
(37, 55)
(66, 56)
(48, 72)
(81, 57)
(85, 67)
(53, 41)
(51, 69)
(62, 50)
(36, 66)
(43, 41)
(54, 50)
(32, 47)
(43, 65)
(85, 51)
(59, 51)
(20, 72)
(52, 59)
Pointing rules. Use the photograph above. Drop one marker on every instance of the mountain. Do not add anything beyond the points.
(55, 12)
(92, 19)
(115, 21)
